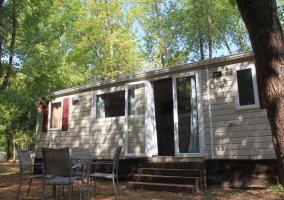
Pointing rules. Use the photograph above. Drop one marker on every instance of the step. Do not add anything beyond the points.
(166, 179)
(170, 172)
(163, 187)
(170, 165)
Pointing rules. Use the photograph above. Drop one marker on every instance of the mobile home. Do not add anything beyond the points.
(209, 111)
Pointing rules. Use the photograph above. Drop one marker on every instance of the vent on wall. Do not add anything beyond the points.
(75, 98)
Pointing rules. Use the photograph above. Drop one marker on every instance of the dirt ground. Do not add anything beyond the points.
(9, 179)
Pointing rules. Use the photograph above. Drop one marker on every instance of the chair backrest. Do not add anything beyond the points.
(116, 157)
(81, 153)
(56, 162)
(25, 159)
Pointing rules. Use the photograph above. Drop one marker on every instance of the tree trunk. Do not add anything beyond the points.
(209, 29)
(110, 37)
(239, 36)
(1, 35)
(226, 43)
(14, 150)
(200, 35)
(266, 36)
(159, 32)
(8, 153)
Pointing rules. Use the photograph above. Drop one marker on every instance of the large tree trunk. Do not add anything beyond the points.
(267, 41)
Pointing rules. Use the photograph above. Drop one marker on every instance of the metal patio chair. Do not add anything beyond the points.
(56, 162)
(113, 175)
(26, 165)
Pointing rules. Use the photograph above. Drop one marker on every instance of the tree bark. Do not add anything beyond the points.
(209, 29)
(226, 43)
(8, 72)
(8, 153)
(266, 36)
(240, 38)
(159, 32)
(1, 35)
(200, 35)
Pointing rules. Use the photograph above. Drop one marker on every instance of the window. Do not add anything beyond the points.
(136, 99)
(110, 104)
(246, 92)
(55, 116)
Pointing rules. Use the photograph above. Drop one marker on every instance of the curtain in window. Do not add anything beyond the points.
(194, 136)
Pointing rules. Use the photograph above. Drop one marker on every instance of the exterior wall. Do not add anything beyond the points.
(136, 135)
(228, 133)
(102, 136)
(78, 134)
(108, 133)
(236, 134)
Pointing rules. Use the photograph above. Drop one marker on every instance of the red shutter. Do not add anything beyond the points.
(260, 93)
(65, 114)
(45, 118)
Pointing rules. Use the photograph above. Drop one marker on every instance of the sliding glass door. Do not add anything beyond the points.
(188, 124)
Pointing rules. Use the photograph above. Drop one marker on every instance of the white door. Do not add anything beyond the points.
(188, 119)
(135, 140)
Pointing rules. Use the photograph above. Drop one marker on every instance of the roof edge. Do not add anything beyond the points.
(155, 73)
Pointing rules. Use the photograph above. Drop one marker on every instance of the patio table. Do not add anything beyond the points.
(77, 160)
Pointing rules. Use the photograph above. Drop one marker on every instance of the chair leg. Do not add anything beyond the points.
(114, 188)
(60, 189)
(117, 185)
(18, 193)
(95, 179)
(89, 186)
(82, 189)
(63, 190)
(70, 189)
(82, 197)
(29, 187)
(43, 188)
(54, 192)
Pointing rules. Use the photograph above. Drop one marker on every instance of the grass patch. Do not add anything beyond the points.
(277, 189)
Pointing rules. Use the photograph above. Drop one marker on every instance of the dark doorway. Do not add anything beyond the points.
(163, 95)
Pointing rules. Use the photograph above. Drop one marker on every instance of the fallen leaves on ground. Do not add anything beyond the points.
(9, 180)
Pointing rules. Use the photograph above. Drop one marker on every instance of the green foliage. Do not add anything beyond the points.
(104, 39)
(233, 2)
(280, 9)
(18, 117)
(62, 44)
(277, 189)
(177, 32)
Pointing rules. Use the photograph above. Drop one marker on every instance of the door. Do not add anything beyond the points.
(163, 99)
(188, 124)
(135, 139)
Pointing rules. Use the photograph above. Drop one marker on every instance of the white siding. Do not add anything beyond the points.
(78, 134)
(108, 133)
(236, 134)
(136, 135)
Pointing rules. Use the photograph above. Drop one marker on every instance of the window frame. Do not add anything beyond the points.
(106, 91)
(135, 100)
(59, 100)
(250, 66)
